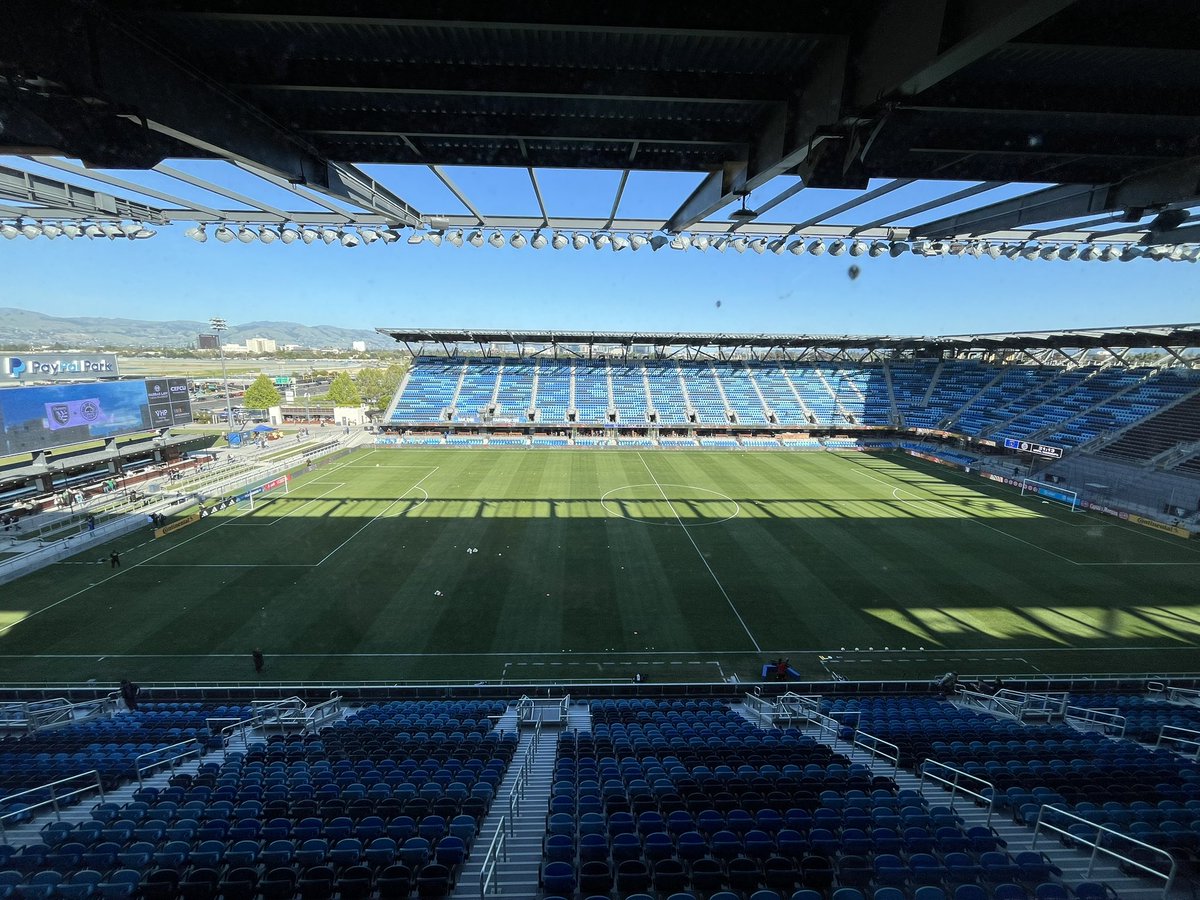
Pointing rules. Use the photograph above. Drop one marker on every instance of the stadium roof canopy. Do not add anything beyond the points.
(1042, 346)
(1094, 101)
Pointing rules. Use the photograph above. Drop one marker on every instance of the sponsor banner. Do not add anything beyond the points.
(1160, 526)
(207, 511)
(177, 524)
(30, 367)
(386, 442)
(1032, 447)
(932, 458)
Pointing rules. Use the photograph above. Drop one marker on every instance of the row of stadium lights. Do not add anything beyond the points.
(457, 237)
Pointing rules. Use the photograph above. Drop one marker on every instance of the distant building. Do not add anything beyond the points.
(359, 346)
(206, 342)
(260, 345)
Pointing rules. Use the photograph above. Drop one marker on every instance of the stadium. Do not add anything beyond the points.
(633, 613)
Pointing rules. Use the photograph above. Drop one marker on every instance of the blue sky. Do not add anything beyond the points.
(172, 277)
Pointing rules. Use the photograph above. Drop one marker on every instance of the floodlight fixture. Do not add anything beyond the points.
(857, 248)
(878, 248)
(538, 241)
(475, 238)
(517, 240)
(658, 241)
(720, 244)
(739, 244)
(225, 234)
(701, 242)
(958, 248)
(329, 235)
(1030, 251)
(600, 240)
(837, 248)
(619, 243)
(348, 238)
(8, 231)
(796, 247)
(1131, 252)
(389, 235)
(51, 230)
(638, 241)
(1048, 252)
(196, 233)
(559, 241)
(1068, 252)
(435, 238)
(680, 242)
(1110, 253)
(455, 237)
(93, 231)
(778, 245)
(142, 233)
(308, 235)
(898, 248)
(289, 234)
(417, 237)
(71, 230)
(368, 235)
(579, 241)
(992, 250)
(245, 235)
(1089, 253)
(817, 247)
(758, 245)
(31, 230)
(496, 239)
(1192, 254)
(129, 229)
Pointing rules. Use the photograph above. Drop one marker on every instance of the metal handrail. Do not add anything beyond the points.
(314, 716)
(1110, 722)
(1176, 739)
(54, 797)
(264, 708)
(955, 787)
(197, 750)
(1097, 848)
(876, 746)
(755, 704)
(868, 743)
(517, 792)
(497, 852)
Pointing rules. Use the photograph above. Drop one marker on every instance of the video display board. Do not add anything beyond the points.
(36, 418)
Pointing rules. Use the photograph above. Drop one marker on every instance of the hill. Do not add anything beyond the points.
(23, 327)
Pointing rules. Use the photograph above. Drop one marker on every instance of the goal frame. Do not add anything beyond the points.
(1031, 486)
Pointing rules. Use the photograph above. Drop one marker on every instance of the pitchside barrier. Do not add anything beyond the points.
(732, 692)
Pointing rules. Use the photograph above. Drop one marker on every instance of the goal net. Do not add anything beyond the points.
(1050, 492)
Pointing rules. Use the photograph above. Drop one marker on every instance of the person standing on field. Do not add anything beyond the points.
(257, 656)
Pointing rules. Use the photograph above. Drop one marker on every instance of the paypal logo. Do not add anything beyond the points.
(14, 367)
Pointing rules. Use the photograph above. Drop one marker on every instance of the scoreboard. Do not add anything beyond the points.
(169, 402)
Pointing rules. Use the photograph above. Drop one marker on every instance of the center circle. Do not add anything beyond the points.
(679, 503)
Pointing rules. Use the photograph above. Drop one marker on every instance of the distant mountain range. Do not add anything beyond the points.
(25, 327)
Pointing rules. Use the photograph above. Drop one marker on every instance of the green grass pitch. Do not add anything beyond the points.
(593, 565)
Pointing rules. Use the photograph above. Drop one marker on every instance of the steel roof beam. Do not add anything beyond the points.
(99, 58)
(910, 46)
(279, 214)
(932, 204)
(457, 192)
(81, 202)
(121, 183)
(1174, 183)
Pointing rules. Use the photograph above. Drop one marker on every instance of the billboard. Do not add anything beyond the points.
(36, 418)
(27, 368)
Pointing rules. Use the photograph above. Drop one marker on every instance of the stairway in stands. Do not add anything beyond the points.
(1074, 863)
(517, 874)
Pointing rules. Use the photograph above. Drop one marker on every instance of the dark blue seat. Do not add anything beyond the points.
(558, 878)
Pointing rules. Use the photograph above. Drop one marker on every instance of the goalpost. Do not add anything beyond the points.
(1051, 492)
(245, 501)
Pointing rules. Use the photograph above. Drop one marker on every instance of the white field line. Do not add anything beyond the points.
(692, 540)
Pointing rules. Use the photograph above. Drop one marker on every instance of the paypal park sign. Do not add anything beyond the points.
(26, 368)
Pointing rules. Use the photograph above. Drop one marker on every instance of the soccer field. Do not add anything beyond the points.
(518, 565)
